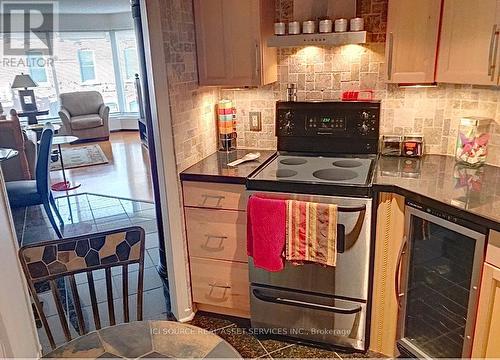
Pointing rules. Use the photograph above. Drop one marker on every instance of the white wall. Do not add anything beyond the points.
(18, 337)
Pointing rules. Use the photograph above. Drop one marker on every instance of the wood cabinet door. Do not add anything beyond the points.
(213, 64)
(469, 42)
(227, 41)
(242, 41)
(412, 40)
(487, 333)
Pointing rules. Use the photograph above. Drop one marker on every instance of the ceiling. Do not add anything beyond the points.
(92, 6)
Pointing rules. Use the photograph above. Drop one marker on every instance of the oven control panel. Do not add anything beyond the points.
(338, 127)
(335, 122)
(328, 123)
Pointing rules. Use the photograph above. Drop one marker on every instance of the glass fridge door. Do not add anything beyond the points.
(440, 274)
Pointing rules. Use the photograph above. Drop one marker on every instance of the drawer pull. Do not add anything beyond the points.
(223, 295)
(214, 285)
(219, 198)
(305, 304)
(209, 248)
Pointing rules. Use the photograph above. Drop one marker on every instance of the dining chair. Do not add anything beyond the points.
(25, 193)
(58, 261)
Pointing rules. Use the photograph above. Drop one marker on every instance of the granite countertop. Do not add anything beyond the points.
(440, 178)
(214, 167)
(467, 192)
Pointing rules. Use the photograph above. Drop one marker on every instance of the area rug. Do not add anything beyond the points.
(80, 156)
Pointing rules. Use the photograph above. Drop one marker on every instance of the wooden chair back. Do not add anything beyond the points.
(11, 136)
(63, 259)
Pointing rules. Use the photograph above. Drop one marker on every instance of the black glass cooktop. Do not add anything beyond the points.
(311, 173)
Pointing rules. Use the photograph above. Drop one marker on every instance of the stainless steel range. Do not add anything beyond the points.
(326, 153)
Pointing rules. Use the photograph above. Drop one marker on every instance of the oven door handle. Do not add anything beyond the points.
(397, 275)
(304, 304)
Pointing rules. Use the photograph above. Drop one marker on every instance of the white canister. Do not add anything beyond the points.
(279, 28)
(341, 25)
(309, 27)
(357, 24)
(326, 26)
(294, 28)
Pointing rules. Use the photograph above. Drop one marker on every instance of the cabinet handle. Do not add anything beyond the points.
(208, 248)
(389, 55)
(494, 62)
(219, 198)
(493, 51)
(222, 295)
(397, 285)
(257, 62)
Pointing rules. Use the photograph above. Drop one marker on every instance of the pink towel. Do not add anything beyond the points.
(266, 232)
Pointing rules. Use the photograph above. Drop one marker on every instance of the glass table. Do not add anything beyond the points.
(65, 185)
(6, 154)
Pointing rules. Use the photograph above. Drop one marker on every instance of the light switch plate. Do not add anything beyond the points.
(255, 120)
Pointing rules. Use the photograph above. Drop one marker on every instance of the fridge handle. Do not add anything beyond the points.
(304, 304)
(397, 282)
(138, 89)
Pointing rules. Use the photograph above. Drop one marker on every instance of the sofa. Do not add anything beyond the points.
(22, 166)
(84, 115)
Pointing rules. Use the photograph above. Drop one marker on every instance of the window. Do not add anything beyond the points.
(130, 58)
(133, 107)
(87, 65)
(36, 65)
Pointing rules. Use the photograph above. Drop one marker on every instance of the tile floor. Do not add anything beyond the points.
(86, 213)
(237, 332)
(89, 213)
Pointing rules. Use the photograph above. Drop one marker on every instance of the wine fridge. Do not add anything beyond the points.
(437, 281)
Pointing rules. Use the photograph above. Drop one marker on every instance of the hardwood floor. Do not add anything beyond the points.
(126, 175)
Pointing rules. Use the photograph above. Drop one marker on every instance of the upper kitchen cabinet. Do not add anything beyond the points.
(469, 42)
(231, 42)
(412, 38)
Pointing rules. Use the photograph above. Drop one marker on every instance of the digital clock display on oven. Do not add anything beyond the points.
(326, 123)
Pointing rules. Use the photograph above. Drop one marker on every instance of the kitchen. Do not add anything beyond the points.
(426, 71)
(328, 181)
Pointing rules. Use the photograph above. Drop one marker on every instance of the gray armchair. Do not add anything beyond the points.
(84, 115)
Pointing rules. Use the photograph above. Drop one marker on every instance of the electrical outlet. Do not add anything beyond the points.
(255, 121)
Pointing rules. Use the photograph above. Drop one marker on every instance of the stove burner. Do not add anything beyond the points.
(347, 163)
(293, 161)
(284, 173)
(335, 174)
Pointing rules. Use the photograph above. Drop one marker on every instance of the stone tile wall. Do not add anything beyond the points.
(324, 73)
(192, 106)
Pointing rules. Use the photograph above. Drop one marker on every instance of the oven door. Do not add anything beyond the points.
(350, 278)
(312, 317)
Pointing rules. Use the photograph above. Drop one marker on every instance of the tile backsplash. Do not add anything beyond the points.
(191, 106)
(321, 73)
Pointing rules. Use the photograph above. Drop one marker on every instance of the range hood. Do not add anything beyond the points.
(320, 9)
(326, 39)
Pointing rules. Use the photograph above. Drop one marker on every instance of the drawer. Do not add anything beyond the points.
(216, 234)
(214, 195)
(220, 283)
(493, 249)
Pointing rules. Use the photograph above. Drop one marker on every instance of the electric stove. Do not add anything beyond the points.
(326, 154)
(325, 148)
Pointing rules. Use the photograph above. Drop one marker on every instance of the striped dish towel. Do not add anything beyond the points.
(311, 232)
